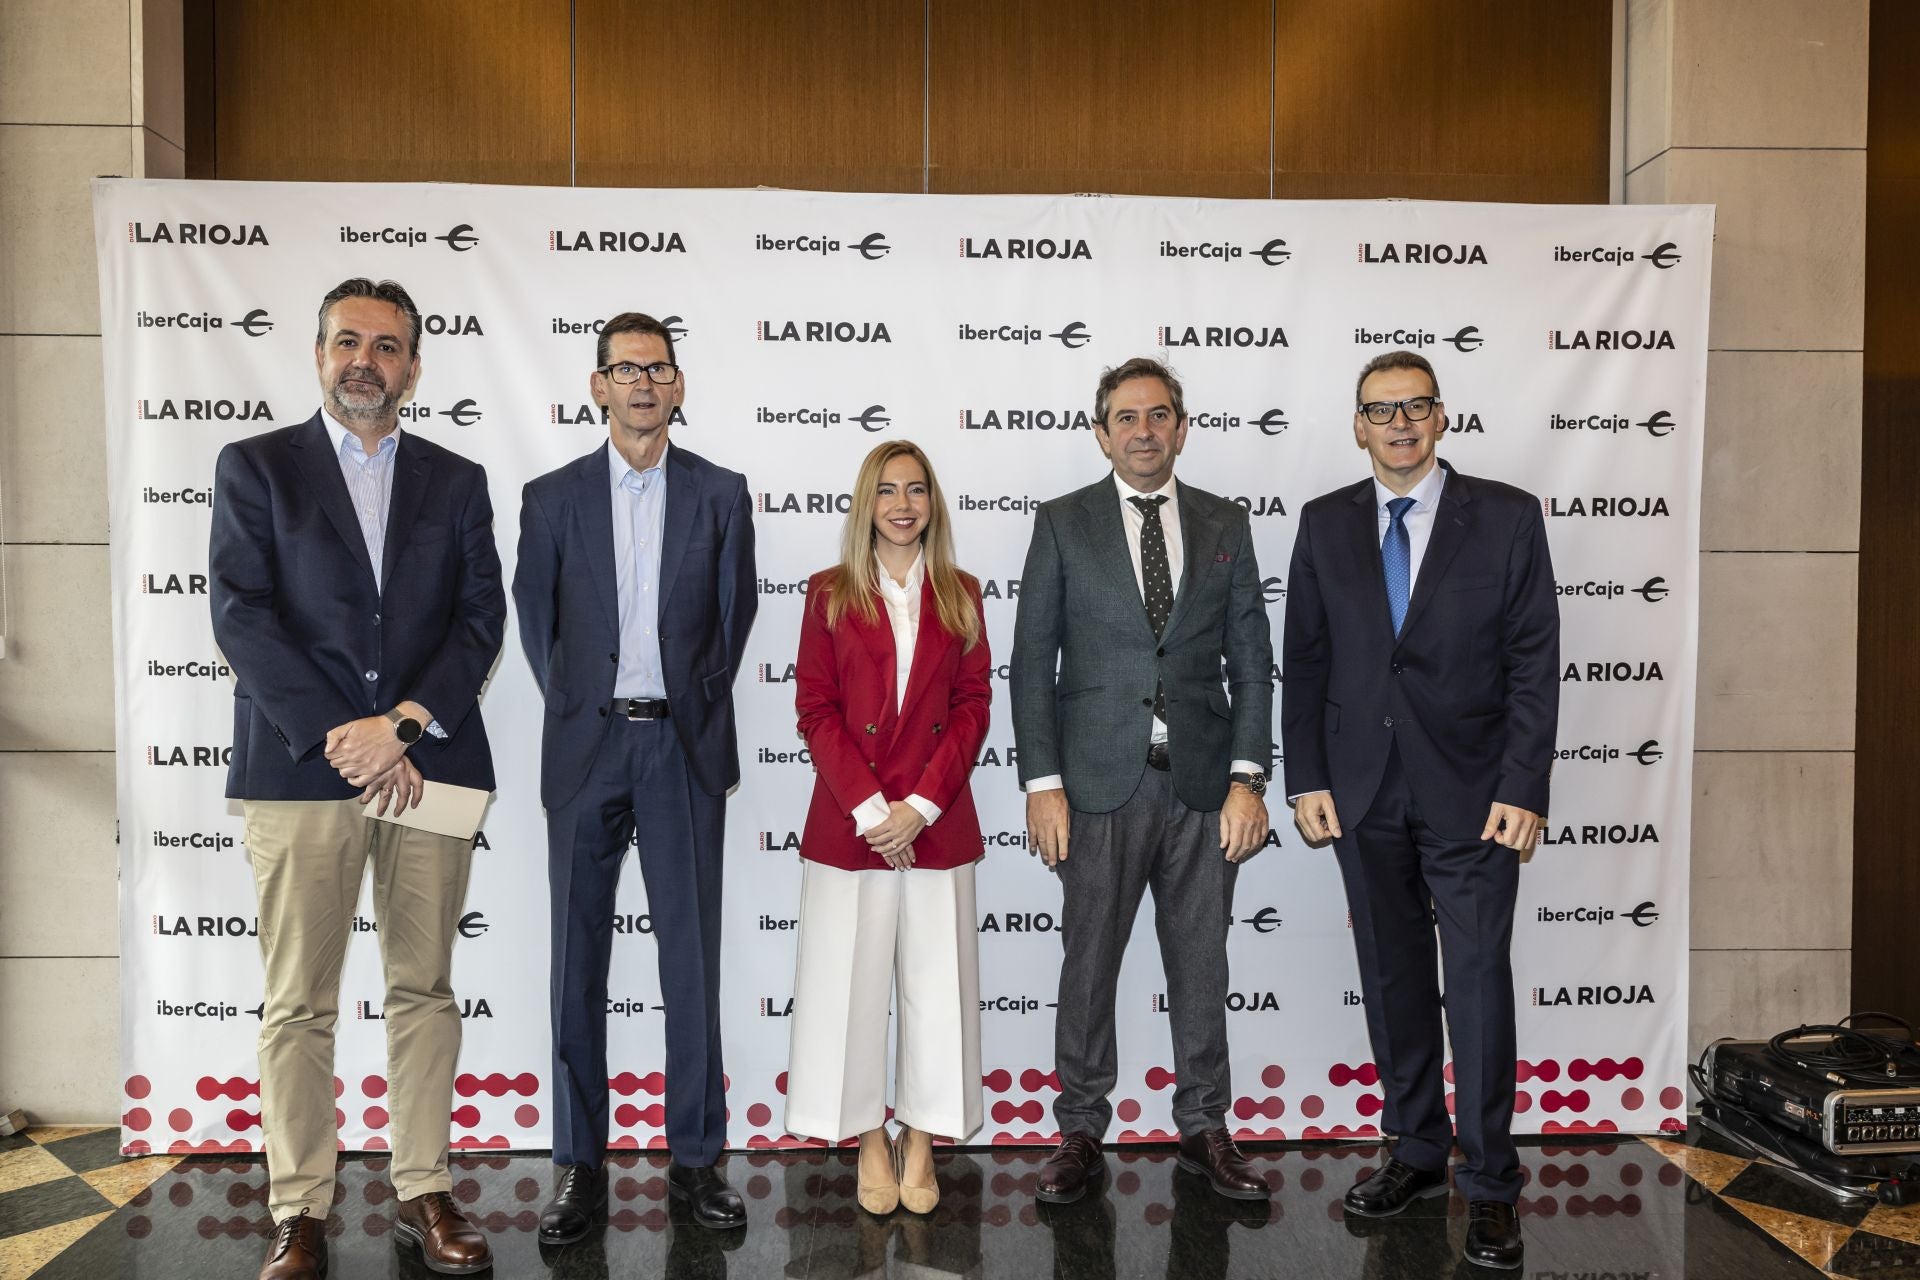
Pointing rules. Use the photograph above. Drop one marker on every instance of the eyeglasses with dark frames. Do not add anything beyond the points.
(627, 373)
(1380, 412)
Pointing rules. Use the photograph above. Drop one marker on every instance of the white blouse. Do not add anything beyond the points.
(903, 612)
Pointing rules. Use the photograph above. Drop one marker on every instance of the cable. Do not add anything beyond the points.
(1854, 1055)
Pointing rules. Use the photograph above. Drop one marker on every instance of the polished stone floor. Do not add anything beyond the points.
(1630, 1209)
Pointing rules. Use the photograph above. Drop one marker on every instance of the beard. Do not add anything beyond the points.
(363, 401)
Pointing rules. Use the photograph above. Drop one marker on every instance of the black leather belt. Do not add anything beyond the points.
(1159, 757)
(640, 708)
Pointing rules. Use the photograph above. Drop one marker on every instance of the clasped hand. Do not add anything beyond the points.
(1508, 825)
(364, 750)
(893, 839)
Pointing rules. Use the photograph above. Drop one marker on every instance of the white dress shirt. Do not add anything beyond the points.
(903, 613)
(1419, 517)
(1134, 521)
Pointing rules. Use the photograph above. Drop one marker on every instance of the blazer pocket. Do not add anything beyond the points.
(1218, 703)
(1473, 584)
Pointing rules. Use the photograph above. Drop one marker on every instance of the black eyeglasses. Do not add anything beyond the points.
(1380, 412)
(626, 373)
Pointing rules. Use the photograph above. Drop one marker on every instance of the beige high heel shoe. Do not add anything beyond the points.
(914, 1199)
(880, 1198)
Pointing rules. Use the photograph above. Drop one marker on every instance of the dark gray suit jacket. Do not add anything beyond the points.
(1080, 607)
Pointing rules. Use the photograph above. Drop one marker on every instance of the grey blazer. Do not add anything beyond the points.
(1090, 718)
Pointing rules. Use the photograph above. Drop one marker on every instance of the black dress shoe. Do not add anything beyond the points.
(1393, 1188)
(1214, 1156)
(1493, 1235)
(713, 1202)
(579, 1198)
(1075, 1165)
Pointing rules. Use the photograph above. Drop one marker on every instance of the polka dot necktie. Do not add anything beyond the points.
(1158, 579)
(1396, 558)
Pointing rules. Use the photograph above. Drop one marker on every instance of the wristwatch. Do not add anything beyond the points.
(1254, 782)
(405, 728)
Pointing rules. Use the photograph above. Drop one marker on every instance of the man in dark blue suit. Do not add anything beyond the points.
(1417, 715)
(356, 592)
(635, 590)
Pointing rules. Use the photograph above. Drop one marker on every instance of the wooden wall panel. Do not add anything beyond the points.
(399, 91)
(1145, 97)
(1467, 100)
(1886, 850)
(739, 93)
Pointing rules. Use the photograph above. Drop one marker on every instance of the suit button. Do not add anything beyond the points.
(936, 728)
(372, 676)
(613, 657)
(1388, 722)
(1146, 702)
(871, 729)
(603, 711)
(376, 619)
(1398, 669)
(872, 765)
(1159, 653)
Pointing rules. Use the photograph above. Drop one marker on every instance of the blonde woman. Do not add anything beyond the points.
(893, 700)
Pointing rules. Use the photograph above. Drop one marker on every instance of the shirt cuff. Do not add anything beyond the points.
(1245, 766)
(433, 727)
(870, 813)
(1052, 782)
(928, 809)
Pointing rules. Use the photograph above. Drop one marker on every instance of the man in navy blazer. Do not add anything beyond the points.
(356, 593)
(1417, 715)
(635, 590)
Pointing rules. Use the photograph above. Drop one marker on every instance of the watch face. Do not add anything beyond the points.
(407, 730)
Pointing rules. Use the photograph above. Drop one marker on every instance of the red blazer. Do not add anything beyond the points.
(845, 698)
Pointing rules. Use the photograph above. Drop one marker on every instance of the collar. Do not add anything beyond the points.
(340, 435)
(617, 466)
(1425, 495)
(1128, 491)
(916, 576)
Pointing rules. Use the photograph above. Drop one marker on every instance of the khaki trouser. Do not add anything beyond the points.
(308, 858)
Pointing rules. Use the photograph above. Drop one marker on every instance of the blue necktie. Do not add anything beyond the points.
(1396, 558)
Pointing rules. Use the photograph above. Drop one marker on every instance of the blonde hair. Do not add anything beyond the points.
(854, 586)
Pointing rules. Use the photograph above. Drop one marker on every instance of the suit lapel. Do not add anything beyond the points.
(1361, 538)
(1107, 536)
(1451, 525)
(593, 509)
(1199, 536)
(313, 454)
(683, 503)
(410, 471)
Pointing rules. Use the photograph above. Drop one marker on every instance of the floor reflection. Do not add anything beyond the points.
(1621, 1207)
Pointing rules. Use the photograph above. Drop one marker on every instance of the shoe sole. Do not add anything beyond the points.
(1515, 1265)
(1427, 1193)
(1056, 1197)
(1200, 1170)
(687, 1199)
(404, 1232)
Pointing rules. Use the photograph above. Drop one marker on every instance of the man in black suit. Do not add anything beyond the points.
(635, 590)
(356, 592)
(1417, 716)
(1140, 770)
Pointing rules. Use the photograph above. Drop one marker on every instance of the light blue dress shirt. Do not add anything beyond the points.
(639, 519)
(370, 488)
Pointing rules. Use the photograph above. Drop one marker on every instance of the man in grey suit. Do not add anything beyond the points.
(1138, 768)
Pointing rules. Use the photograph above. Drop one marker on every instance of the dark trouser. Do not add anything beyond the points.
(1112, 858)
(640, 771)
(1396, 868)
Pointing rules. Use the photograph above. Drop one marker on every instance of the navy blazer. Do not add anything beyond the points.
(569, 611)
(1470, 691)
(315, 644)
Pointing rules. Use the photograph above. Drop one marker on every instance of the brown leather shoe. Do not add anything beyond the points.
(298, 1250)
(1075, 1165)
(1213, 1155)
(448, 1243)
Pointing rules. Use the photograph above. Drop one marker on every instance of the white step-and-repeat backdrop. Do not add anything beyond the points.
(1571, 348)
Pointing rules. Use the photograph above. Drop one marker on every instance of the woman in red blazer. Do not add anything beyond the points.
(892, 694)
